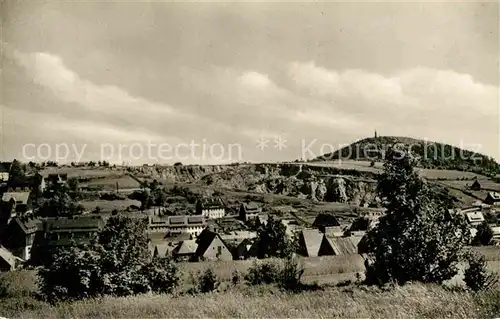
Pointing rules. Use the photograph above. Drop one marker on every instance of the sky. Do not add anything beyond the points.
(158, 82)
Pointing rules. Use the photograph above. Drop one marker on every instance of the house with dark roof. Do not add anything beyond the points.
(249, 211)
(343, 245)
(63, 231)
(20, 235)
(313, 243)
(212, 247)
(476, 186)
(164, 249)
(245, 249)
(324, 221)
(16, 203)
(493, 198)
(211, 208)
(240, 242)
(52, 179)
(185, 250)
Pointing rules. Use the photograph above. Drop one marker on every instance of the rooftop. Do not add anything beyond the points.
(312, 241)
(325, 220)
(211, 203)
(19, 197)
(494, 195)
(172, 221)
(474, 216)
(64, 224)
(251, 207)
(186, 247)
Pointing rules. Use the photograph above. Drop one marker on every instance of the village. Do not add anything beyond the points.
(212, 229)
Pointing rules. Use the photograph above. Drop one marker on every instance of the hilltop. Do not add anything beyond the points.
(432, 155)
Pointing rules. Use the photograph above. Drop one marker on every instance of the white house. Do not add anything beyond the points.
(211, 208)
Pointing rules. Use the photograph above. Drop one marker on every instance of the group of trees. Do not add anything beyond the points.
(151, 194)
(60, 200)
(418, 239)
(117, 262)
(272, 240)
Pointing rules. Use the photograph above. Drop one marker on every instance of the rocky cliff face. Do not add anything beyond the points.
(316, 183)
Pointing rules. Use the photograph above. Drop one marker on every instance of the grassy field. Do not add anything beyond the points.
(365, 166)
(414, 300)
(109, 205)
(410, 301)
(85, 172)
(325, 269)
(124, 182)
(448, 174)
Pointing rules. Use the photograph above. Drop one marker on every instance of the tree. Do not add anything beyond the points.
(208, 281)
(58, 202)
(17, 173)
(73, 185)
(484, 234)
(272, 240)
(418, 239)
(144, 196)
(74, 273)
(476, 276)
(360, 223)
(491, 218)
(117, 263)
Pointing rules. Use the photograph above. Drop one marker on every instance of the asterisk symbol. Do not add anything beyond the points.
(280, 143)
(262, 143)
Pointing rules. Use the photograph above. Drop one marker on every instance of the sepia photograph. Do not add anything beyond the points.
(249, 159)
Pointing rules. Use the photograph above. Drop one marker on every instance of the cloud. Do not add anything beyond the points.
(418, 101)
(300, 100)
(50, 71)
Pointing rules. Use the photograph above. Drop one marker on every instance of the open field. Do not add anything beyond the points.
(486, 185)
(84, 172)
(329, 267)
(109, 205)
(324, 269)
(448, 174)
(410, 301)
(364, 166)
(109, 184)
(414, 300)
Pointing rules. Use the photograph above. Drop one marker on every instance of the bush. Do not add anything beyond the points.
(4, 289)
(163, 275)
(207, 281)
(116, 263)
(265, 272)
(286, 275)
(476, 276)
(289, 277)
(235, 277)
(484, 234)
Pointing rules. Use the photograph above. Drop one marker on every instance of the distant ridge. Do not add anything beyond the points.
(432, 154)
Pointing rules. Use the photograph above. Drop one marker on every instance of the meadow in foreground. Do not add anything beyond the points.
(410, 301)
